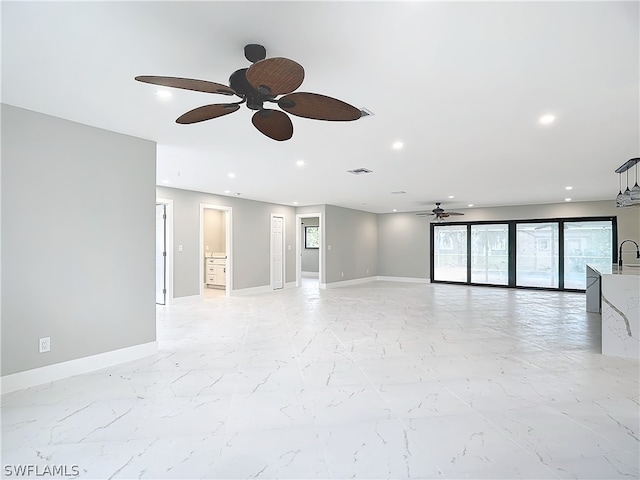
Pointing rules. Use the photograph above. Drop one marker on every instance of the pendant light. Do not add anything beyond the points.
(631, 196)
(635, 191)
(626, 201)
(620, 196)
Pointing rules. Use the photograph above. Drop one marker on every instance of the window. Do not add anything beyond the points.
(545, 253)
(489, 254)
(450, 253)
(311, 237)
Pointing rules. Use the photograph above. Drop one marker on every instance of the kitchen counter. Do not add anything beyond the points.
(615, 293)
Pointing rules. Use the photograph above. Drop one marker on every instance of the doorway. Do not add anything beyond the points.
(309, 250)
(215, 272)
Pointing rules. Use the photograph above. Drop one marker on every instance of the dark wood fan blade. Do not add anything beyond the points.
(454, 213)
(275, 76)
(207, 112)
(273, 123)
(318, 107)
(187, 84)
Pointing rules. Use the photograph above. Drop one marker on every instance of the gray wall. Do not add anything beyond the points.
(310, 256)
(215, 231)
(78, 240)
(352, 237)
(403, 245)
(251, 237)
(403, 238)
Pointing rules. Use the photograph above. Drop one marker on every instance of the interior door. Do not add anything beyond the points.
(161, 254)
(277, 252)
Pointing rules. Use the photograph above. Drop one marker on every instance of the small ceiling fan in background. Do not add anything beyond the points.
(438, 212)
(261, 83)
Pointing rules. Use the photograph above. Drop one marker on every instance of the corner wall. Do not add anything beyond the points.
(78, 240)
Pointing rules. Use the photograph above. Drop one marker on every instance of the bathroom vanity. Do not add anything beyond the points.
(615, 293)
(215, 270)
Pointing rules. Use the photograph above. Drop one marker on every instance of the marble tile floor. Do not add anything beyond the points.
(379, 380)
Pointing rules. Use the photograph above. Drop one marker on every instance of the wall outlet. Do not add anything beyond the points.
(342, 274)
(328, 247)
(44, 345)
(367, 270)
(179, 248)
(206, 247)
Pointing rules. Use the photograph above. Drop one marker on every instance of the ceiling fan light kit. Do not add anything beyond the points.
(264, 81)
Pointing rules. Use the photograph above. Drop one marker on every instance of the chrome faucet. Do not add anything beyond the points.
(620, 252)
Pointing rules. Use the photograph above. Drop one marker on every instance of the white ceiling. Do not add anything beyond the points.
(462, 85)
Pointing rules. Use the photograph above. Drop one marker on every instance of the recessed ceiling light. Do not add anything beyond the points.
(450, 196)
(567, 199)
(164, 94)
(547, 119)
(397, 145)
(395, 210)
(232, 175)
(295, 203)
(568, 188)
(227, 191)
(300, 163)
(470, 205)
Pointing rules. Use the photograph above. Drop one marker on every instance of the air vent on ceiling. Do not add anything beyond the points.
(359, 171)
(365, 112)
(399, 192)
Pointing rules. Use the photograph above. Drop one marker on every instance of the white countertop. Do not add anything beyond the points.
(630, 269)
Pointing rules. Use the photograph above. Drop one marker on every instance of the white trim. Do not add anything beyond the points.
(299, 241)
(284, 250)
(290, 285)
(252, 290)
(169, 246)
(403, 279)
(311, 274)
(344, 283)
(228, 246)
(58, 371)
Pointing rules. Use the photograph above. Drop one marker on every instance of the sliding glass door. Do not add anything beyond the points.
(450, 252)
(547, 253)
(537, 255)
(586, 243)
(490, 254)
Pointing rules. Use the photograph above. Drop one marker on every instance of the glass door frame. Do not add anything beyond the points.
(512, 230)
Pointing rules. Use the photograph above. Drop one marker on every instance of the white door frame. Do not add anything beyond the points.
(284, 250)
(228, 246)
(168, 203)
(300, 242)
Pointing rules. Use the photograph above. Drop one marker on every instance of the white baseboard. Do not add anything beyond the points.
(344, 283)
(58, 371)
(290, 285)
(403, 279)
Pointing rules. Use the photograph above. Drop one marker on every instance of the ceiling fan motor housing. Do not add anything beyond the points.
(255, 99)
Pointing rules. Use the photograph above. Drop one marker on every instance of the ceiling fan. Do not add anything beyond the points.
(438, 212)
(262, 82)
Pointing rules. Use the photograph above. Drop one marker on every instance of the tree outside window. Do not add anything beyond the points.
(311, 237)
